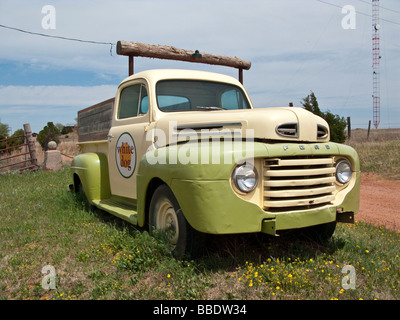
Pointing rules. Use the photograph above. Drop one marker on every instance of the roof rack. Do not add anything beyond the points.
(138, 49)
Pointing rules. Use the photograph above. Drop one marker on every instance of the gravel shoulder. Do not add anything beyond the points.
(380, 201)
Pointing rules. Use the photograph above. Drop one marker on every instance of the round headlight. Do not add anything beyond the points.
(343, 171)
(245, 178)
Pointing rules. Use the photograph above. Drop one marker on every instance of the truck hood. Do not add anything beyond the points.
(285, 124)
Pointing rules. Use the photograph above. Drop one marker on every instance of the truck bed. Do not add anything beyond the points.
(94, 122)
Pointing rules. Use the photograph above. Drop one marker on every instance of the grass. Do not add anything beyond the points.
(380, 153)
(380, 157)
(97, 256)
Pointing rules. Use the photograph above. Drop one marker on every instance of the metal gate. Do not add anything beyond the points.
(18, 157)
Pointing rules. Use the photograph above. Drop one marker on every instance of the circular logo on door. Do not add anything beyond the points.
(125, 155)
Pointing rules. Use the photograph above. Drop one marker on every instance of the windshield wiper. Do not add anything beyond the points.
(209, 108)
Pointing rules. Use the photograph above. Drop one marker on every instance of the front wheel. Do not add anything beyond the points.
(323, 232)
(167, 217)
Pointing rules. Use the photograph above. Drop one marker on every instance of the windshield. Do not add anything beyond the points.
(197, 95)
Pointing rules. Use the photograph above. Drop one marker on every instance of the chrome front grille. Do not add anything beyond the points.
(298, 183)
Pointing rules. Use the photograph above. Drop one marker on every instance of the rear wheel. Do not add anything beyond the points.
(81, 195)
(167, 217)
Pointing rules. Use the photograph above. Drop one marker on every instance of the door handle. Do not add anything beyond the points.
(110, 136)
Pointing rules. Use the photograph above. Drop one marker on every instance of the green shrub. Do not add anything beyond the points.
(336, 123)
(47, 134)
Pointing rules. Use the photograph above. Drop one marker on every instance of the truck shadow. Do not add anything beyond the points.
(229, 251)
(226, 252)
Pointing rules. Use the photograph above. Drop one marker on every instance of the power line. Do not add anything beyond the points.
(362, 13)
(337, 6)
(59, 37)
(380, 6)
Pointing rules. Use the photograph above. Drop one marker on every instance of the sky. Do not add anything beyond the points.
(295, 47)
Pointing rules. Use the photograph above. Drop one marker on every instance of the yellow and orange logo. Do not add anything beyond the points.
(125, 155)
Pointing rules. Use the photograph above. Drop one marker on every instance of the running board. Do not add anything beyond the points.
(122, 210)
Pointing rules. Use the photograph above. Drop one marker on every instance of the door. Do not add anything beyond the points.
(127, 139)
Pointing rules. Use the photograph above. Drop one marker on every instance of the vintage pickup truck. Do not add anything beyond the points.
(185, 152)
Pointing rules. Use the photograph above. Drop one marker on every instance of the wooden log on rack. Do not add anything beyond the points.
(138, 49)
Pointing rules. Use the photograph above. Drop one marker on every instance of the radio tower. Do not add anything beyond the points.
(376, 104)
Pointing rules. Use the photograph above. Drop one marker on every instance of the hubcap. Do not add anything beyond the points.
(167, 221)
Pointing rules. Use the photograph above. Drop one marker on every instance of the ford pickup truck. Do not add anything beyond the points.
(185, 152)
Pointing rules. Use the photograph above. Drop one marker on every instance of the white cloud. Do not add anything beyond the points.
(38, 105)
(54, 95)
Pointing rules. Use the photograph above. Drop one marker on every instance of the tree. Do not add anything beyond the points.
(4, 130)
(5, 133)
(66, 129)
(310, 103)
(337, 126)
(47, 134)
(336, 123)
(59, 126)
(20, 133)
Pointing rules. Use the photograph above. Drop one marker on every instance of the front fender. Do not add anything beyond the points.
(204, 190)
(211, 163)
(92, 171)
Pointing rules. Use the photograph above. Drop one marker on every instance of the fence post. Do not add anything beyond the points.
(348, 127)
(369, 128)
(31, 144)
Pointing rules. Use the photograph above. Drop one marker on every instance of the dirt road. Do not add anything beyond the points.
(380, 201)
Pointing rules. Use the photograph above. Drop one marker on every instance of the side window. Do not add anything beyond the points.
(128, 102)
(133, 101)
(144, 101)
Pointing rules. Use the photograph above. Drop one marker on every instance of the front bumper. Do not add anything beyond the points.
(213, 206)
